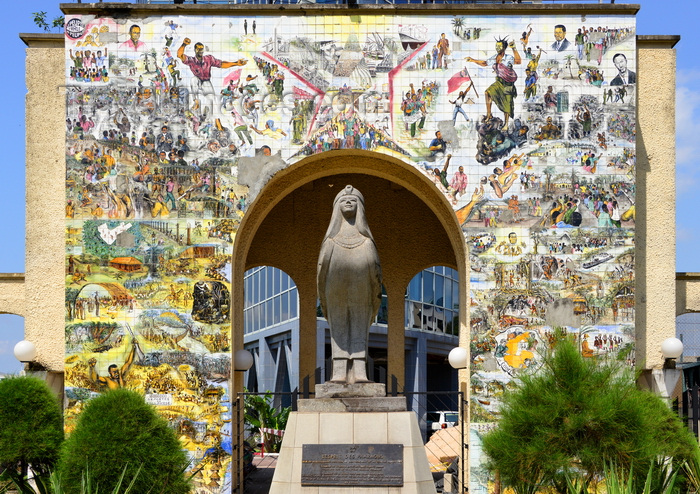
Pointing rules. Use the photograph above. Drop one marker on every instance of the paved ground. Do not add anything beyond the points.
(258, 481)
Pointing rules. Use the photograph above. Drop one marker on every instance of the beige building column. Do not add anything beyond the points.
(44, 305)
(12, 293)
(307, 332)
(687, 293)
(655, 257)
(396, 332)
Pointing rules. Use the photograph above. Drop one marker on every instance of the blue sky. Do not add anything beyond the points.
(655, 17)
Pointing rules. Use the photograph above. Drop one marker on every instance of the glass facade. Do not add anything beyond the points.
(270, 298)
(432, 301)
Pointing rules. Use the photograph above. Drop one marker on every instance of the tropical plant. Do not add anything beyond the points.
(582, 415)
(120, 438)
(31, 432)
(260, 414)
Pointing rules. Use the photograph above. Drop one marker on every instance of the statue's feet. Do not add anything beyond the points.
(358, 371)
(340, 371)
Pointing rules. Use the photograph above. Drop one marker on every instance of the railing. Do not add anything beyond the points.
(690, 408)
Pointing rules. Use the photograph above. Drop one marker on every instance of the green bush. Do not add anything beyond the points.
(31, 430)
(581, 415)
(118, 432)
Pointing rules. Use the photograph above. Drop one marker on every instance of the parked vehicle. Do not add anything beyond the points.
(442, 420)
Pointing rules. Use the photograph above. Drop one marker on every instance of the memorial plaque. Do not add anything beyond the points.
(360, 465)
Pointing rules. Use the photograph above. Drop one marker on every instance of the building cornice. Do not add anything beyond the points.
(142, 10)
(49, 40)
(657, 40)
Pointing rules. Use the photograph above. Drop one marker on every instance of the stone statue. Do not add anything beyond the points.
(349, 285)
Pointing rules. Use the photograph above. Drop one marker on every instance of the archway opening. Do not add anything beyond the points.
(412, 223)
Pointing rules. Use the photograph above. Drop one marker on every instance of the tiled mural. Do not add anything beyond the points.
(173, 125)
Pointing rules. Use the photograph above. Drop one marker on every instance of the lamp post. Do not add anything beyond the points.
(242, 360)
(459, 359)
(666, 378)
(25, 352)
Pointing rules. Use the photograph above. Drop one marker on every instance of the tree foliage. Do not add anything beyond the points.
(31, 430)
(581, 415)
(119, 432)
(39, 19)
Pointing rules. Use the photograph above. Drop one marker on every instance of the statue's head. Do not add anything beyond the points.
(348, 193)
(349, 204)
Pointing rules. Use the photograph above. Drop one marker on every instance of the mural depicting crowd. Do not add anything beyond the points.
(526, 125)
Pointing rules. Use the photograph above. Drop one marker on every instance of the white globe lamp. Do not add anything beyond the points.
(242, 360)
(25, 351)
(458, 358)
(672, 348)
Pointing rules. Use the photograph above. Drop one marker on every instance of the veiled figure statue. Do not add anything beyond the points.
(349, 279)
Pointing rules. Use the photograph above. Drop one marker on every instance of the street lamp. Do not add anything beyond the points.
(25, 351)
(242, 360)
(671, 349)
(666, 378)
(458, 358)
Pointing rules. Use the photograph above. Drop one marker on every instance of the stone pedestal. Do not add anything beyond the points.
(352, 421)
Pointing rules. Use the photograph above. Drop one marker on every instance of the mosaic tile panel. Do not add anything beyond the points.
(525, 124)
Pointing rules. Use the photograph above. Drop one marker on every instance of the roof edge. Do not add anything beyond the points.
(657, 40)
(126, 10)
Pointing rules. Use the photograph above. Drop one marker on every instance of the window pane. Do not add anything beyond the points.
(285, 281)
(285, 306)
(276, 308)
(268, 313)
(257, 317)
(448, 293)
(428, 294)
(439, 287)
(268, 285)
(276, 276)
(293, 296)
(455, 295)
(414, 288)
(259, 281)
(383, 314)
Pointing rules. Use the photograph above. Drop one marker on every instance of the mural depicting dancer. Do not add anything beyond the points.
(201, 65)
(502, 91)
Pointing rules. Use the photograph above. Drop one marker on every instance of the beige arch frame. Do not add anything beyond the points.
(284, 227)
